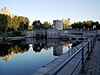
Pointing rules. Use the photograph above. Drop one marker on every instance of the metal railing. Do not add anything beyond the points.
(84, 52)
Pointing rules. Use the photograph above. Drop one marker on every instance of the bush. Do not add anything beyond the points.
(16, 33)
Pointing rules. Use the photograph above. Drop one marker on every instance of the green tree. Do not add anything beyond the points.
(77, 25)
(46, 24)
(23, 26)
(3, 22)
(16, 20)
(87, 24)
(37, 24)
(9, 23)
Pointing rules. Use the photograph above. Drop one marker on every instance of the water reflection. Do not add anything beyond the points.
(14, 47)
(29, 55)
(11, 48)
(37, 47)
(58, 51)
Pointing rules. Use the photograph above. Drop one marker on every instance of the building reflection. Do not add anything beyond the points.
(57, 45)
(67, 45)
(58, 51)
(7, 50)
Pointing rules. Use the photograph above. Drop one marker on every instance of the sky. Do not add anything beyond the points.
(49, 10)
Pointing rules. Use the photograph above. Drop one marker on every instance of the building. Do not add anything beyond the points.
(66, 23)
(58, 24)
(6, 11)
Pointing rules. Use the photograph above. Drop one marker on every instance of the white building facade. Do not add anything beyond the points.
(58, 24)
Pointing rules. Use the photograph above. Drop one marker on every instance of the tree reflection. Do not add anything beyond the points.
(14, 47)
(40, 44)
(38, 47)
(9, 49)
(4, 49)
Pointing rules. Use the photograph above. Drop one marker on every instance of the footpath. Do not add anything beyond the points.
(94, 63)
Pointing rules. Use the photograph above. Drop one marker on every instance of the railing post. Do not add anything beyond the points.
(91, 46)
(94, 41)
(82, 70)
(88, 52)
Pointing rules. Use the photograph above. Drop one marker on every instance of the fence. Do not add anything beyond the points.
(78, 59)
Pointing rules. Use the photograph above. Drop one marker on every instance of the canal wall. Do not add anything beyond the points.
(51, 66)
(56, 34)
(50, 33)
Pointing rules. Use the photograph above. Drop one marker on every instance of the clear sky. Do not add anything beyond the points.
(48, 10)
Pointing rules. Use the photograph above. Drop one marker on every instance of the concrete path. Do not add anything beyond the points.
(94, 65)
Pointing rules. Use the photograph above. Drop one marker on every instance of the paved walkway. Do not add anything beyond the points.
(92, 69)
(94, 65)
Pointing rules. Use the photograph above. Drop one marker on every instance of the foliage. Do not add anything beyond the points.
(23, 26)
(3, 22)
(30, 27)
(8, 22)
(12, 47)
(17, 20)
(37, 24)
(66, 24)
(86, 24)
(16, 33)
(46, 24)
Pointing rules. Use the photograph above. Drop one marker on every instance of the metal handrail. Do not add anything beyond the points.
(90, 42)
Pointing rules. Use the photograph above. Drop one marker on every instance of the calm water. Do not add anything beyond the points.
(25, 57)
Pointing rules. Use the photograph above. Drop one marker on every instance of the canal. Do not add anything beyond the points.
(25, 57)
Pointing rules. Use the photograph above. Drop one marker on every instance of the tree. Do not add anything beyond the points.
(23, 26)
(26, 26)
(77, 25)
(46, 24)
(86, 24)
(37, 24)
(97, 25)
(30, 27)
(3, 22)
(8, 23)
